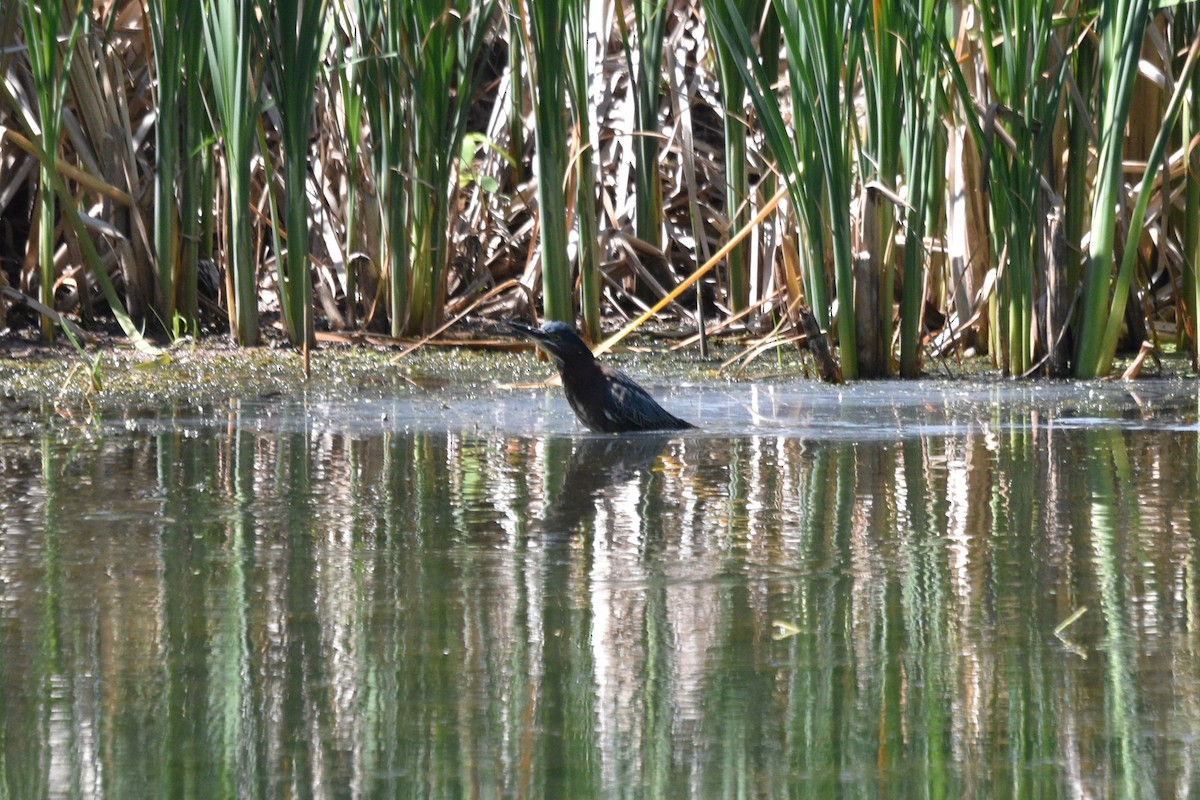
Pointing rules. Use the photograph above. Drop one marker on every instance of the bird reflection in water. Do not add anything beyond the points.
(596, 469)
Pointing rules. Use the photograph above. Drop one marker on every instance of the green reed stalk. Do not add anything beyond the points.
(442, 46)
(1078, 151)
(1122, 25)
(1191, 286)
(884, 34)
(516, 94)
(1137, 219)
(169, 19)
(790, 146)
(229, 43)
(353, 111)
(300, 33)
(374, 44)
(584, 160)
(820, 56)
(544, 31)
(178, 68)
(1016, 35)
(737, 176)
(9, 20)
(42, 24)
(196, 173)
(1189, 25)
(645, 70)
(921, 137)
(901, 88)
(769, 45)
(420, 78)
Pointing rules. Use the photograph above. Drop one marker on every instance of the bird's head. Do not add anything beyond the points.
(558, 340)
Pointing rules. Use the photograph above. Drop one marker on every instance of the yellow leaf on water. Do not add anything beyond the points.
(783, 629)
(161, 360)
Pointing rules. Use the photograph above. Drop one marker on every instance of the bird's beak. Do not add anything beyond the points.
(523, 330)
(526, 331)
(536, 336)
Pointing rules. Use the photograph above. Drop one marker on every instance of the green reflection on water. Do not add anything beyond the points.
(230, 612)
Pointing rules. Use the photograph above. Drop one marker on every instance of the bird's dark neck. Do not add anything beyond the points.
(581, 369)
(583, 383)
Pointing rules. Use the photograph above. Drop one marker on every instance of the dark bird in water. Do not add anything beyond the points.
(605, 400)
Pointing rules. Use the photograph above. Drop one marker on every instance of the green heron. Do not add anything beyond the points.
(605, 400)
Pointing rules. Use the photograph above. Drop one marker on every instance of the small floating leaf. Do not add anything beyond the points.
(783, 629)
(161, 360)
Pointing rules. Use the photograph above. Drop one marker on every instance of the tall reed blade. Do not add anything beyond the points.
(452, 77)
(579, 71)
(820, 60)
(737, 176)
(644, 59)
(1027, 85)
(1079, 139)
(167, 27)
(374, 42)
(196, 136)
(230, 45)
(899, 148)
(1122, 24)
(1137, 218)
(888, 29)
(42, 24)
(923, 152)
(419, 83)
(544, 32)
(1189, 23)
(349, 79)
(300, 35)
(790, 145)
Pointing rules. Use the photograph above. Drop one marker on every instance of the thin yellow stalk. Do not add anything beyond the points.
(703, 270)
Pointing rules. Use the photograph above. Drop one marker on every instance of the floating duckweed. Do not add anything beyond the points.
(197, 376)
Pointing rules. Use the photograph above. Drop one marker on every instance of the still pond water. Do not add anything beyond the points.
(890, 590)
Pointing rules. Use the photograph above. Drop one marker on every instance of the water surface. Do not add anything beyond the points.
(853, 592)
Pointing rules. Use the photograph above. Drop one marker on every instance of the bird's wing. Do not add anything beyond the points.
(630, 407)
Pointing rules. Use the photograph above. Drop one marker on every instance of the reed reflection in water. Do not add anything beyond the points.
(204, 611)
